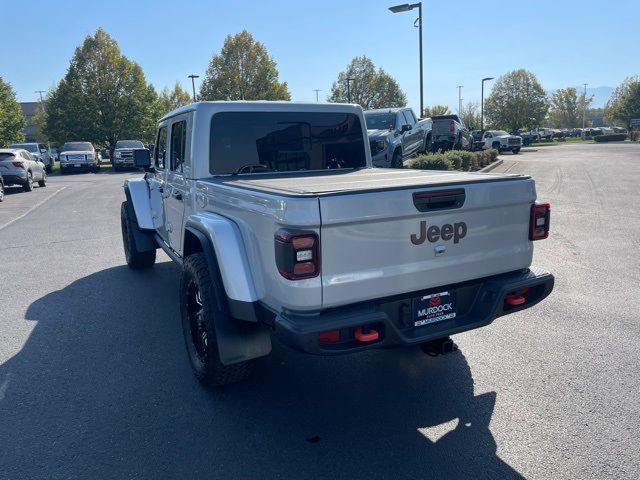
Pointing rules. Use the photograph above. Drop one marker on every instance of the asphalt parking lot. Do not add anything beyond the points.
(95, 381)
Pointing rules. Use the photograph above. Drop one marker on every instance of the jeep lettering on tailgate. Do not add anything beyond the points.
(457, 231)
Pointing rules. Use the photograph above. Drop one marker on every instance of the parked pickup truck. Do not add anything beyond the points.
(123, 153)
(282, 228)
(450, 133)
(501, 141)
(396, 134)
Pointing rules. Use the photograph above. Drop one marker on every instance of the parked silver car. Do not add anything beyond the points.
(38, 151)
(19, 167)
(78, 156)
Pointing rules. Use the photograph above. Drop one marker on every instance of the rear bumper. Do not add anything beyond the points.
(479, 303)
(14, 178)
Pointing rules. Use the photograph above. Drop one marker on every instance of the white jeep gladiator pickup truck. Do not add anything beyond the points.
(282, 227)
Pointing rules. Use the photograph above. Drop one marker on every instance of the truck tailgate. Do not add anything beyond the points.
(367, 246)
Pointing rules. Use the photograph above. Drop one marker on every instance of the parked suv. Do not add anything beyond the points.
(501, 141)
(396, 134)
(78, 156)
(19, 167)
(39, 151)
(281, 227)
(123, 153)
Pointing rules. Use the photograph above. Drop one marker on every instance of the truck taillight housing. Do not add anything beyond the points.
(539, 222)
(18, 164)
(297, 254)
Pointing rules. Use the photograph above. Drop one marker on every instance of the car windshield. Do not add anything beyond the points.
(498, 133)
(77, 147)
(129, 144)
(260, 142)
(380, 121)
(29, 147)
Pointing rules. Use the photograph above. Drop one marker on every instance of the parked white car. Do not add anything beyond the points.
(19, 167)
(39, 151)
(78, 156)
(501, 141)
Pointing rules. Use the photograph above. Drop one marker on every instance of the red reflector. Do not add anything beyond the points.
(332, 336)
(304, 268)
(370, 336)
(514, 300)
(18, 164)
(303, 242)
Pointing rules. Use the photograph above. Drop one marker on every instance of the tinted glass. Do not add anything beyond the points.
(77, 147)
(410, 116)
(245, 142)
(408, 119)
(129, 144)
(161, 147)
(6, 156)
(178, 145)
(30, 147)
(380, 121)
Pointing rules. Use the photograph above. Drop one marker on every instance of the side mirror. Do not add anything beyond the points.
(141, 157)
(405, 128)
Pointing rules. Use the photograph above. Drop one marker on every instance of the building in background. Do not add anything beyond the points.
(29, 110)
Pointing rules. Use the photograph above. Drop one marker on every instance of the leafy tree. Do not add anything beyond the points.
(102, 98)
(171, 99)
(243, 70)
(471, 115)
(624, 103)
(567, 107)
(370, 88)
(436, 110)
(12, 121)
(517, 100)
(594, 117)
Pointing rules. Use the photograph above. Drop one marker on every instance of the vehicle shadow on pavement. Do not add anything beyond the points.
(102, 389)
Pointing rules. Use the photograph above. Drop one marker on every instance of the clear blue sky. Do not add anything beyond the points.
(564, 42)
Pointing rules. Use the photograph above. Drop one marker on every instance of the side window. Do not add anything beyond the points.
(410, 117)
(161, 147)
(178, 145)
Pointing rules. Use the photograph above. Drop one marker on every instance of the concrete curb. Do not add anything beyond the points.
(488, 168)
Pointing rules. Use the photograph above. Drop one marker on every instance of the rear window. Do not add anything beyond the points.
(259, 142)
(30, 147)
(77, 147)
(129, 144)
(6, 156)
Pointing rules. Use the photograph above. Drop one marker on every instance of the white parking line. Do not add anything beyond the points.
(31, 209)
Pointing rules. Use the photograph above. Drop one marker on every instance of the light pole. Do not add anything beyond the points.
(349, 80)
(41, 102)
(482, 102)
(460, 99)
(405, 8)
(584, 104)
(317, 90)
(193, 84)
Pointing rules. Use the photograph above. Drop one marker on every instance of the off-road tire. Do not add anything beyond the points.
(27, 186)
(496, 146)
(136, 260)
(43, 182)
(515, 151)
(203, 351)
(48, 169)
(396, 160)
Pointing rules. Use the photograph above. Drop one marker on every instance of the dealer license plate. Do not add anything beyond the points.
(433, 308)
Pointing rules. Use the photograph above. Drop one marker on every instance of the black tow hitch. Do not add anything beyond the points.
(441, 346)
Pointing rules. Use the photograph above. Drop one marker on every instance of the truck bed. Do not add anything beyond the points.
(365, 180)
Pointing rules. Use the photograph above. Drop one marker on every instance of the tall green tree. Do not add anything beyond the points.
(12, 121)
(174, 98)
(624, 103)
(243, 70)
(567, 107)
(370, 87)
(102, 98)
(470, 115)
(436, 110)
(517, 100)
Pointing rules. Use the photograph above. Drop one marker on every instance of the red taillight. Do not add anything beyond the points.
(539, 221)
(452, 126)
(297, 254)
(18, 164)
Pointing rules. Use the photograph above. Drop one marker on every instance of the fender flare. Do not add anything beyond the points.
(144, 240)
(137, 192)
(237, 340)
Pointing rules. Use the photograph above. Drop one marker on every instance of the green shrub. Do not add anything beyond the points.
(455, 158)
(466, 160)
(432, 161)
(612, 137)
